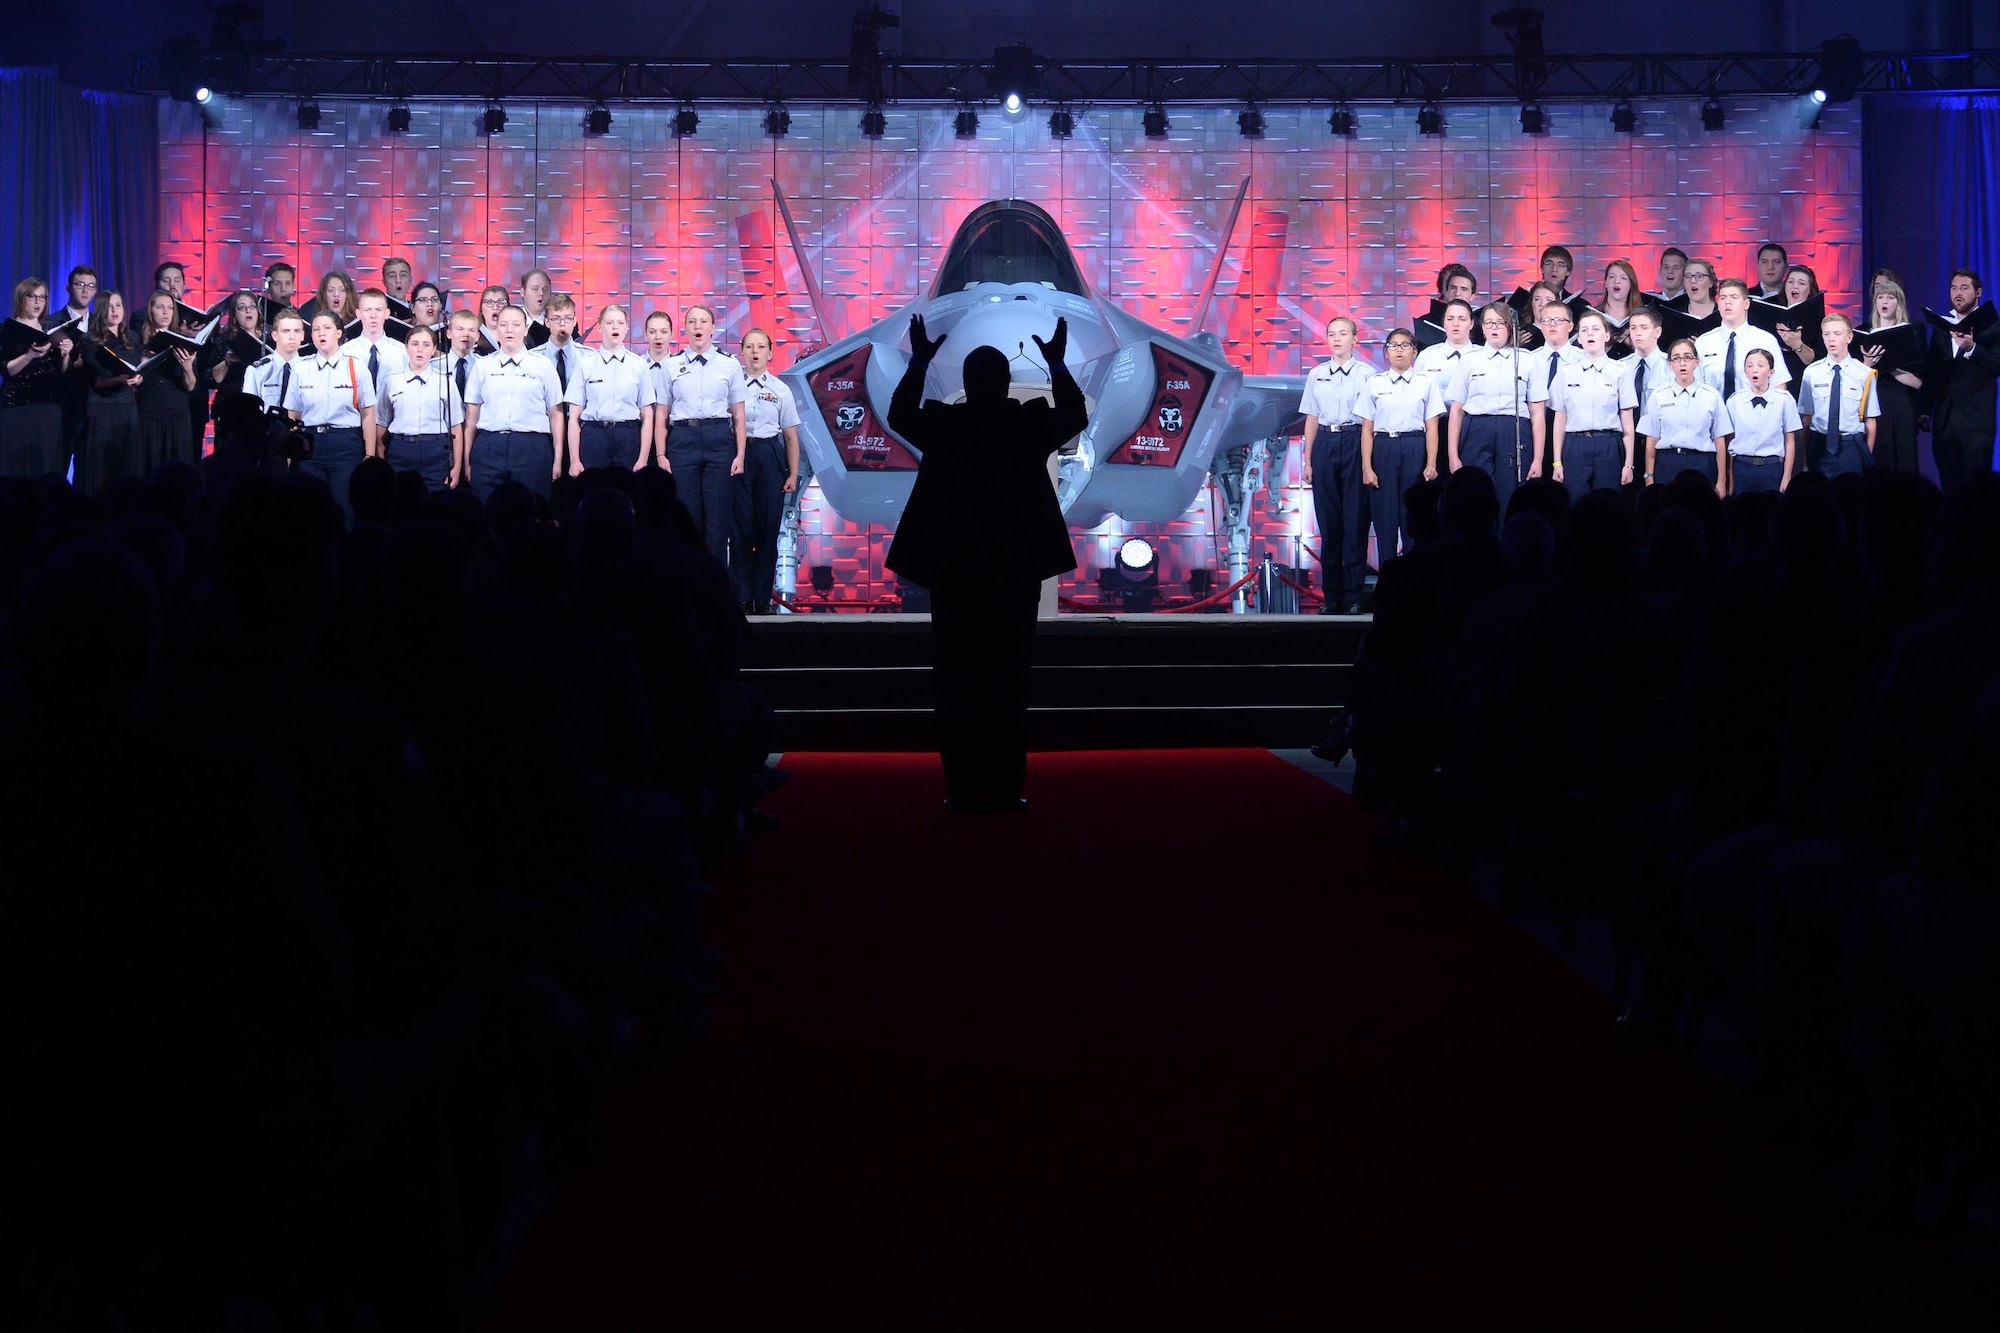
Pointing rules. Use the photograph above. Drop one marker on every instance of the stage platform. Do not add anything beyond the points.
(862, 682)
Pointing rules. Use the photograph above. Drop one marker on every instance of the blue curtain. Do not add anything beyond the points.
(80, 172)
(1930, 191)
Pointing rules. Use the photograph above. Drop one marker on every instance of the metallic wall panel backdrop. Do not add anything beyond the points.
(1333, 226)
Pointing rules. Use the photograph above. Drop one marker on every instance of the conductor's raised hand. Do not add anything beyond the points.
(1056, 346)
(922, 348)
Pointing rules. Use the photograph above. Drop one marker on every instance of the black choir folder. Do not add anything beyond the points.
(1801, 318)
(111, 363)
(168, 339)
(17, 337)
(1902, 346)
(1680, 324)
(1981, 319)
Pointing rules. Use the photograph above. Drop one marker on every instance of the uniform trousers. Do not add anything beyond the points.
(336, 452)
(1839, 454)
(1488, 442)
(1670, 463)
(699, 453)
(608, 444)
(1343, 535)
(1747, 473)
(526, 456)
(759, 509)
(429, 456)
(982, 643)
(1399, 465)
(1593, 460)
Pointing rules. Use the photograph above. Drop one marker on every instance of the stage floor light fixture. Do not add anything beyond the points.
(1430, 120)
(1624, 120)
(598, 121)
(1061, 124)
(873, 123)
(1713, 117)
(966, 124)
(1250, 123)
(1156, 122)
(777, 122)
(308, 114)
(1341, 122)
(1533, 119)
(495, 119)
(399, 119)
(686, 122)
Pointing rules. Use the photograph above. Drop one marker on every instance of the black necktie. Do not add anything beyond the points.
(1729, 371)
(1555, 363)
(375, 368)
(562, 369)
(461, 379)
(284, 384)
(1639, 384)
(1756, 402)
(1833, 409)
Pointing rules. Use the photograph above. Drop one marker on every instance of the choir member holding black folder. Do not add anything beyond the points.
(165, 432)
(1895, 349)
(33, 364)
(1795, 319)
(117, 363)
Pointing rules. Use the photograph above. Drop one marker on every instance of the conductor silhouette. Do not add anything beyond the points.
(981, 531)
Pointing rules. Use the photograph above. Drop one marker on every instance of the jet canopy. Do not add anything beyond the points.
(1009, 241)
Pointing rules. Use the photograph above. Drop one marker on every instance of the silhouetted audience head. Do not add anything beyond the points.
(1749, 520)
(1968, 550)
(1420, 513)
(85, 624)
(1676, 548)
(1806, 531)
(605, 525)
(1470, 506)
(1596, 553)
(277, 549)
(1529, 544)
(510, 509)
(372, 492)
(1541, 496)
(987, 376)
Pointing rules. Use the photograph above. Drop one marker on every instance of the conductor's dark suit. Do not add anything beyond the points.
(1960, 391)
(981, 531)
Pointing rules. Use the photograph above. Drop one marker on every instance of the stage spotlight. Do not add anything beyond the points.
(308, 114)
(1156, 122)
(1533, 121)
(181, 67)
(873, 123)
(1430, 120)
(966, 124)
(686, 122)
(1013, 77)
(399, 119)
(1139, 574)
(1250, 123)
(598, 120)
(1341, 122)
(1624, 119)
(1841, 67)
(1061, 124)
(777, 122)
(495, 119)
(202, 95)
(1712, 115)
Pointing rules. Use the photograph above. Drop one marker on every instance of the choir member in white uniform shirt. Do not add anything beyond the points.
(460, 365)
(1592, 402)
(421, 414)
(1490, 428)
(770, 473)
(1557, 351)
(1398, 410)
(1764, 447)
(1332, 452)
(1724, 349)
(703, 407)
(271, 378)
(1685, 424)
(656, 366)
(1446, 360)
(513, 414)
(617, 399)
(374, 350)
(1838, 404)
(336, 404)
(565, 353)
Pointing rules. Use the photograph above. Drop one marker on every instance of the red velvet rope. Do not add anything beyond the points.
(1303, 590)
(1212, 598)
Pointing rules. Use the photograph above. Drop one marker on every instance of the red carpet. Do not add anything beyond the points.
(1171, 1049)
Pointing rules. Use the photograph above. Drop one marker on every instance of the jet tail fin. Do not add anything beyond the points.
(826, 329)
(1221, 253)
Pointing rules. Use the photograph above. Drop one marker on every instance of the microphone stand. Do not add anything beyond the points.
(1518, 397)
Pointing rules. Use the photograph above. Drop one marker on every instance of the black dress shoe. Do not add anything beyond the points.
(1353, 609)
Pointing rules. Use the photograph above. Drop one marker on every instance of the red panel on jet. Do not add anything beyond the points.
(840, 389)
(1182, 389)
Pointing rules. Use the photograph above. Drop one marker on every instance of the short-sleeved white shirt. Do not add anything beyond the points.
(1398, 402)
(1761, 420)
(1332, 387)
